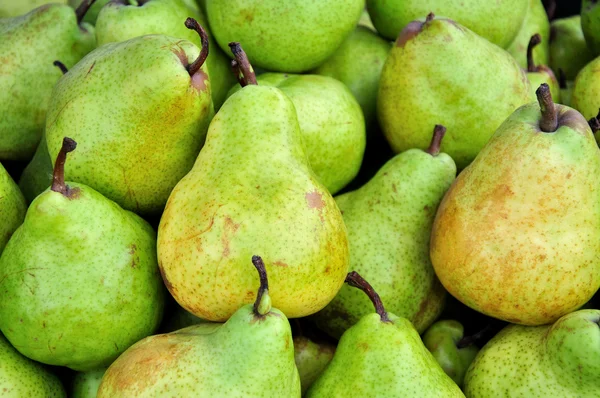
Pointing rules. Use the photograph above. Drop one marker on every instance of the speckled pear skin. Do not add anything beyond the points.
(536, 21)
(568, 49)
(138, 136)
(86, 384)
(37, 175)
(245, 357)
(77, 296)
(586, 91)
(430, 77)
(15, 8)
(117, 22)
(393, 252)
(560, 360)
(311, 359)
(441, 340)
(29, 45)
(12, 207)
(516, 236)
(383, 359)
(252, 191)
(292, 36)
(22, 377)
(331, 124)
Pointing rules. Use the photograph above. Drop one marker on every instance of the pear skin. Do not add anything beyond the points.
(568, 49)
(536, 21)
(12, 207)
(311, 359)
(86, 384)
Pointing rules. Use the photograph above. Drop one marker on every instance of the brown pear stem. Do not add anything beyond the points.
(549, 120)
(436, 140)
(594, 123)
(355, 280)
(60, 66)
(58, 177)
(83, 9)
(429, 17)
(264, 282)
(235, 68)
(192, 24)
(470, 340)
(534, 41)
(246, 73)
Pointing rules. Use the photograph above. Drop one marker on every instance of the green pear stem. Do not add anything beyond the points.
(58, 177)
(83, 9)
(355, 280)
(242, 65)
(470, 340)
(534, 41)
(192, 24)
(549, 120)
(436, 140)
(60, 66)
(264, 282)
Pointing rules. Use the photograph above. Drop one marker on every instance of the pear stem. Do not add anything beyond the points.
(436, 140)
(58, 177)
(429, 17)
(83, 9)
(470, 340)
(61, 66)
(355, 280)
(241, 65)
(534, 41)
(264, 282)
(595, 123)
(549, 120)
(192, 24)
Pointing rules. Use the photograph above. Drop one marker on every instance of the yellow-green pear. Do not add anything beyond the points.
(568, 49)
(585, 96)
(536, 21)
(12, 207)
(15, 8)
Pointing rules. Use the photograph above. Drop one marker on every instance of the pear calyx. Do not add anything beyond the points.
(412, 29)
(82, 10)
(549, 120)
(595, 123)
(436, 140)
(534, 41)
(60, 66)
(241, 65)
(58, 177)
(194, 67)
(355, 280)
(262, 305)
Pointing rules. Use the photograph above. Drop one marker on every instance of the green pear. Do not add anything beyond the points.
(568, 49)
(122, 20)
(284, 36)
(444, 339)
(566, 88)
(15, 8)
(590, 17)
(382, 356)
(252, 188)
(516, 236)
(497, 21)
(389, 223)
(72, 294)
(251, 355)
(12, 207)
(331, 123)
(311, 359)
(86, 384)
(22, 377)
(159, 123)
(358, 63)
(536, 21)
(91, 16)
(439, 70)
(585, 96)
(539, 74)
(29, 44)
(559, 360)
(365, 21)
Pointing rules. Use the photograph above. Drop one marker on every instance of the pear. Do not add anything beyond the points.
(446, 341)
(123, 20)
(252, 188)
(284, 36)
(12, 207)
(497, 21)
(331, 123)
(160, 123)
(22, 377)
(429, 76)
(73, 295)
(536, 21)
(358, 63)
(585, 96)
(382, 356)
(566, 88)
(568, 49)
(590, 17)
(389, 222)
(311, 359)
(559, 360)
(250, 355)
(538, 74)
(86, 384)
(91, 16)
(15, 8)
(516, 236)
(29, 44)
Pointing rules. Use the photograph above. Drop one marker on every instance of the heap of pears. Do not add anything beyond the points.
(257, 198)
